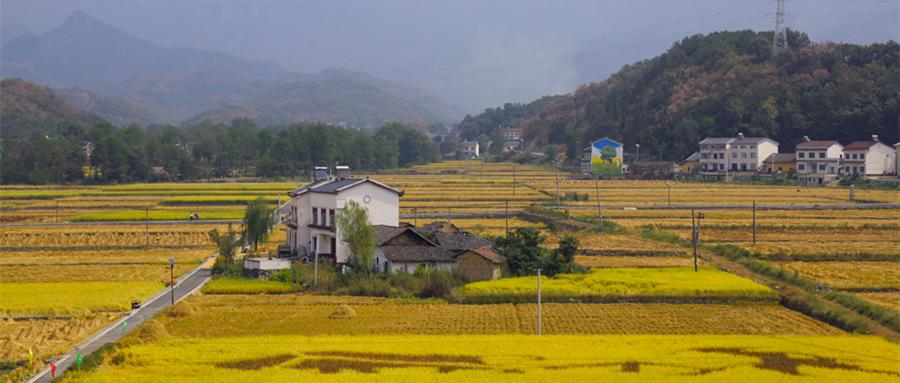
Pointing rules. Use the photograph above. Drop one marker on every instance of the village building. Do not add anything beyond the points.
(260, 267)
(311, 226)
(653, 169)
(513, 146)
(818, 162)
(721, 155)
(897, 159)
(690, 164)
(868, 159)
(479, 264)
(513, 134)
(780, 163)
(470, 149)
(603, 156)
(402, 249)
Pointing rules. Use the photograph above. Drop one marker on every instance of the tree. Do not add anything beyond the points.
(227, 244)
(567, 248)
(522, 250)
(353, 224)
(257, 221)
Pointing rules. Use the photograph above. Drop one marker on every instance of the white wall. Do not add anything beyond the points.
(880, 160)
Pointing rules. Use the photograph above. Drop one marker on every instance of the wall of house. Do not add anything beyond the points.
(880, 160)
(383, 208)
(474, 267)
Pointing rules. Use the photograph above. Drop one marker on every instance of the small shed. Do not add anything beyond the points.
(479, 264)
(264, 267)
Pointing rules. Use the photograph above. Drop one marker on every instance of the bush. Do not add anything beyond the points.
(438, 284)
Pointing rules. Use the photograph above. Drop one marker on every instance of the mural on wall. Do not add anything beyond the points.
(606, 157)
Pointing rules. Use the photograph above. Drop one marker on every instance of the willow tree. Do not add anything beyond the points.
(353, 223)
(257, 222)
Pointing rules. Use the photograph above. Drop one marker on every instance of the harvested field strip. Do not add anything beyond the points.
(309, 315)
(890, 300)
(226, 285)
(635, 261)
(56, 256)
(158, 272)
(849, 275)
(157, 215)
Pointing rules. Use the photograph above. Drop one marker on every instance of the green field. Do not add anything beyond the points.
(72, 298)
(612, 284)
(226, 285)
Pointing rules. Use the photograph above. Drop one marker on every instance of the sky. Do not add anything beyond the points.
(473, 53)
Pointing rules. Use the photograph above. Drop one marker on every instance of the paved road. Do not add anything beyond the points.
(184, 287)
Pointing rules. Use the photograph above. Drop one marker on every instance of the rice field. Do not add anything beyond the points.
(310, 315)
(227, 285)
(616, 284)
(505, 358)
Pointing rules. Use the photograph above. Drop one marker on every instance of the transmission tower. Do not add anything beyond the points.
(780, 43)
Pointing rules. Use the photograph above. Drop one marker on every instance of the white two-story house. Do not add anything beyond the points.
(738, 154)
(311, 220)
(868, 158)
(818, 162)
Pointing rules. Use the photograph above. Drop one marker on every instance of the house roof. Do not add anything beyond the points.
(753, 141)
(817, 144)
(487, 252)
(717, 140)
(384, 234)
(416, 254)
(441, 226)
(692, 158)
(607, 141)
(780, 158)
(459, 241)
(336, 186)
(861, 145)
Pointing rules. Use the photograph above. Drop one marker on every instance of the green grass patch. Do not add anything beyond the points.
(235, 285)
(675, 284)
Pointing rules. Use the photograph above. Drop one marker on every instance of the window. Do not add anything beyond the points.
(801, 166)
(752, 154)
(721, 166)
(743, 166)
(322, 219)
(822, 167)
(822, 155)
(733, 155)
(743, 155)
(315, 216)
(862, 156)
(331, 217)
(801, 155)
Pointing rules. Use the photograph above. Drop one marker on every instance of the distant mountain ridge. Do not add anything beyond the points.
(28, 108)
(172, 85)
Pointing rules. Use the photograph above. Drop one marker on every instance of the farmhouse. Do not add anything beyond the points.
(604, 156)
(437, 246)
(690, 164)
(264, 267)
(867, 159)
(721, 155)
(653, 169)
(311, 227)
(818, 162)
(780, 163)
(470, 149)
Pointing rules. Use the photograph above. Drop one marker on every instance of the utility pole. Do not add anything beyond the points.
(780, 42)
(514, 179)
(146, 227)
(172, 278)
(449, 219)
(597, 188)
(415, 216)
(669, 185)
(637, 153)
(696, 235)
(316, 268)
(57, 211)
(482, 168)
(557, 185)
(507, 218)
(754, 223)
(539, 302)
(694, 238)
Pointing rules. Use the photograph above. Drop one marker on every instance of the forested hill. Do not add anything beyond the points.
(726, 82)
(28, 108)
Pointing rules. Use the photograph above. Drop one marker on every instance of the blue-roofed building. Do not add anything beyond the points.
(603, 157)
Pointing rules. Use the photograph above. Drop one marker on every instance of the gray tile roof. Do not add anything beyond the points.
(717, 140)
(460, 241)
(335, 186)
(416, 254)
(692, 158)
(780, 158)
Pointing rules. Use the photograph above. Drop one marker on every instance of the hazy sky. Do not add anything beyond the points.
(474, 53)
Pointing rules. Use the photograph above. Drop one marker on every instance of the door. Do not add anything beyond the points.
(333, 248)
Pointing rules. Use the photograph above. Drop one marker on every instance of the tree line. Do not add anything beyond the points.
(103, 153)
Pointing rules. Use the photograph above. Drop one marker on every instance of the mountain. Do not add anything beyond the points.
(727, 82)
(175, 84)
(113, 109)
(87, 53)
(334, 96)
(27, 108)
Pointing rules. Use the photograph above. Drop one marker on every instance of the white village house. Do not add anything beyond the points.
(818, 162)
(311, 227)
(868, 158)
(735, 154)
(313, 234)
